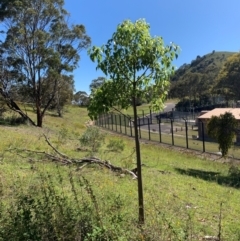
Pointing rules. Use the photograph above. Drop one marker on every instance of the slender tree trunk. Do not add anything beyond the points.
(38, 102)
(139, 166)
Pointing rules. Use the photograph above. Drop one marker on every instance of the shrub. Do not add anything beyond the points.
(223, 129)
(92, 138)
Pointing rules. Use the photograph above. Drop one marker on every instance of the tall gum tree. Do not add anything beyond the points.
(228, 79)
(40, 45)
(134, 61)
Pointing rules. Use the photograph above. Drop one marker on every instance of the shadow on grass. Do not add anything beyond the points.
(232, 180)
(12, 121)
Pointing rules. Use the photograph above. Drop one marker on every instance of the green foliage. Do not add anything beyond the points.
(93, 138)
(116, 145)
(134, 61)
(81, 98)
(198, 79)
(41, 68)
(62, 135)
(8, 8)
(96, 83)
(228, 79)
(223, 129)
(45, 212)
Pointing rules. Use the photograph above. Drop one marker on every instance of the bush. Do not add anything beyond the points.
(92, 138)
(223, 129)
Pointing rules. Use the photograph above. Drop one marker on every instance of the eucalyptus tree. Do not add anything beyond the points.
(6, 8)
(228, 79)
(63, 96)
(96, 83)
(40, 46)
(81, 98)
(133, 60)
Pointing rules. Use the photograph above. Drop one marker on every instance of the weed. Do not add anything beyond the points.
(92, 138)
(62, 135)
(116, 145)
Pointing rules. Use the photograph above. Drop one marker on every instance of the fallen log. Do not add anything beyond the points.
(81, 163)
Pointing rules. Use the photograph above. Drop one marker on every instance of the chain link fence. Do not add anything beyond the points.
(180, 129)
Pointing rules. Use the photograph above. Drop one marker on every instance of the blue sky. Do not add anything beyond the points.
(197, 26)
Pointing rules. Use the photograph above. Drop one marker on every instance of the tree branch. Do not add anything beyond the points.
(64, 159)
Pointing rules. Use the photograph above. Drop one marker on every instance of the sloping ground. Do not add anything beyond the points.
(186, 197)
(209, 64)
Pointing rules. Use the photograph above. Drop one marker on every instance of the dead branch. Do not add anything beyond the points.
(65, 160)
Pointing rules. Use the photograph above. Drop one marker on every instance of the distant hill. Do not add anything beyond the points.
(209, 65)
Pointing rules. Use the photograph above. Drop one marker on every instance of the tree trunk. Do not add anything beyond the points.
(139, 165)
(39, 116)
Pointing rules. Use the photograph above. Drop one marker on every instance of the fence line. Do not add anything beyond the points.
(176, 132)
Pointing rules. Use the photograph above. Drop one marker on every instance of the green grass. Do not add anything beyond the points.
(182, 192)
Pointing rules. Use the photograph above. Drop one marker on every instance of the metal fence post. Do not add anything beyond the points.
(139, 128)
(203, 137)
(112, 120)
(150, 115)
(186, 129)
(115, 123)
(149, 133)
(159, 129)
(125, 125)
(120, 123)
(131, 126)
(143, 117)
(172, 132)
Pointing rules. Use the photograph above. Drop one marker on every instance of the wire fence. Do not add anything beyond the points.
(176, 129)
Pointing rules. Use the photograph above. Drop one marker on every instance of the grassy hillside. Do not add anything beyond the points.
(186, 197)
(209, 64)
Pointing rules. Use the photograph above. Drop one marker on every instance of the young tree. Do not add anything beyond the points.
(40, 46)
(223, 129)
(133, 60)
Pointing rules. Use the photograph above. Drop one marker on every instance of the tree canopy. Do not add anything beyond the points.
(223, 129)
(228, 80)
(40, 46)
(81, 98)
(96, 83)
(6, 8)
(134, 61)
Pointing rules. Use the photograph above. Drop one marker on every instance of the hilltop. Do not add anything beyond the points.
(209, 65)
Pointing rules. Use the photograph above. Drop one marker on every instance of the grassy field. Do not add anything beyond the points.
(187, 197)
